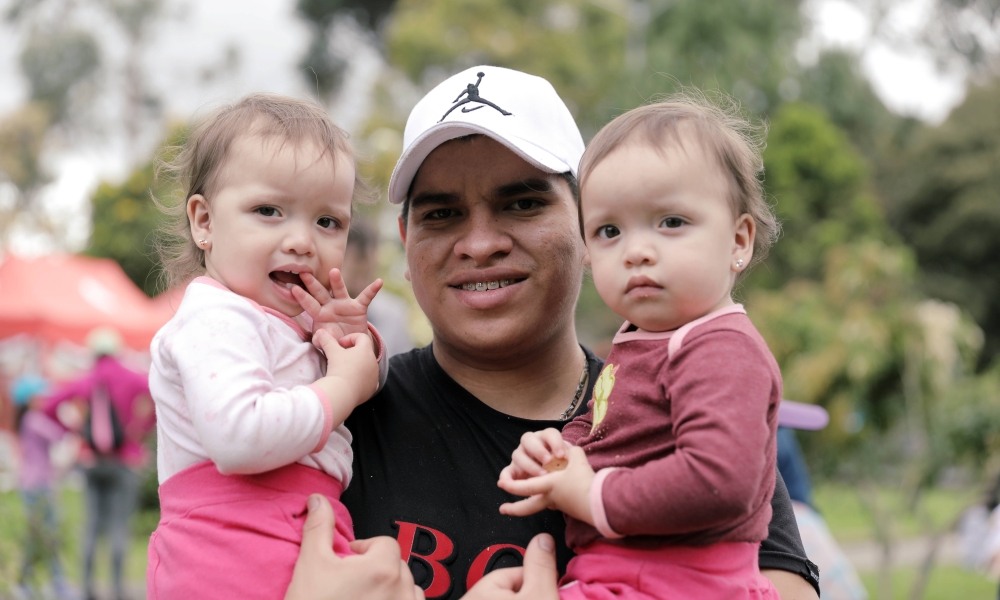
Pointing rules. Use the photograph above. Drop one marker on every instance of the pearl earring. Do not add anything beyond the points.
(739, 263)
(202, 242)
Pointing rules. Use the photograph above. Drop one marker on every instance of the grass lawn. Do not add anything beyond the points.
(946, 583)
(850, 521)
(71, 512)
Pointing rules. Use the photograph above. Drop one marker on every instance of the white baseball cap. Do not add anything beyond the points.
(521, 111)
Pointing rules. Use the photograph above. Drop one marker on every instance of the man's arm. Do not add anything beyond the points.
(782, 557)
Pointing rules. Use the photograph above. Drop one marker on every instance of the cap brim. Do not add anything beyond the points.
(414, 156)
(802, 416)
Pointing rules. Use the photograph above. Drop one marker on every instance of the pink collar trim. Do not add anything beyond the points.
(624, 335)
(295, 325)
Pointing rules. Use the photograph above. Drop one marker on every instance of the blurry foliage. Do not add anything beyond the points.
(22, 138)
(819, 185)
(836, 84)
(943, 196)
(55, 62)
(320, 66)
(22, 134)
(742, 47)
(125, 221)
(576, 45)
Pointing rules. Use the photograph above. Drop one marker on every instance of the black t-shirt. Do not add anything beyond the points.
(427, 455)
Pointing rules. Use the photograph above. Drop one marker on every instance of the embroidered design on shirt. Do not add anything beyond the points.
(602, 390)
(471, 93)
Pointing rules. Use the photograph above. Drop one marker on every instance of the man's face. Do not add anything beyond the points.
(494, 250)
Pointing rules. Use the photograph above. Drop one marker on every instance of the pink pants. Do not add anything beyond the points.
(235, 536)
(724, 571)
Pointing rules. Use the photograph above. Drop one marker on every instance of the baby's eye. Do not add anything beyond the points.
(608, 231)
(672, 222)
(266, 211)
(327, 223)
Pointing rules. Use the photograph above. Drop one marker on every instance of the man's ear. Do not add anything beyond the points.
(402, 237)
(744, 232)
(402, 229)
(200, 218)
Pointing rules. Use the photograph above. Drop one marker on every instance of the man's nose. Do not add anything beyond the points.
(483, 237)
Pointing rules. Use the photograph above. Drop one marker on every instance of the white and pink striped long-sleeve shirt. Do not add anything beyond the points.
(232, 384)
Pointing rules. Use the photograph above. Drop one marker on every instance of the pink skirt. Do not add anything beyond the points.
(727, 570)
(235, 536)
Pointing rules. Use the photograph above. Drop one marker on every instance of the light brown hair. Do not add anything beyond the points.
(722, 130)
(197, 164)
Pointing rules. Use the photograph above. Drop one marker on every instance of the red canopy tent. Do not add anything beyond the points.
(64, 297)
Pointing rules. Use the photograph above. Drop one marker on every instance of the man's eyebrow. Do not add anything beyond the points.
(437, 198)
(534, 185)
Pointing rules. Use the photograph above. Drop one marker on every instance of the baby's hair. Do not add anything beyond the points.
(195, 166)
(723, 131)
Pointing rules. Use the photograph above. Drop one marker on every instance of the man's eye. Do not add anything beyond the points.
(672, 222)
(525, 204)
(607, 232)
(266, 211)
(327, 223)
(440, 213)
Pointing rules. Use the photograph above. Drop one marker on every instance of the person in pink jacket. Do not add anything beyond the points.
(120, 415)
(666, 481)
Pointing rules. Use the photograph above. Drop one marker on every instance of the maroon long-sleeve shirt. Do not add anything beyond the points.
(689, 429)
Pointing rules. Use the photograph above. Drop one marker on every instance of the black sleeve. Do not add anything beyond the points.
(783, 547)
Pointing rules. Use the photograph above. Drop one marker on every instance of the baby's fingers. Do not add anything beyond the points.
(368, 294)
(527, 487)
(306, 301)
(315, 288)
(337, 286)
(525, 463)
(523, 508)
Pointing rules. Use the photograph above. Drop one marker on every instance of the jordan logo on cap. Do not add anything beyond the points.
(471, 94)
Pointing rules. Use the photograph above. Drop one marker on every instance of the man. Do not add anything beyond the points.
(495, 257)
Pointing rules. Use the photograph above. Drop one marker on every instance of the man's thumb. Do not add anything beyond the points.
(317, 532)
(540, 574)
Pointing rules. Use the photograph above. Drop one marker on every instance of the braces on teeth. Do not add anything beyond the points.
(482, 286)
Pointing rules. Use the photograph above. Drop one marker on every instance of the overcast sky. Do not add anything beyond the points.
(267, 40)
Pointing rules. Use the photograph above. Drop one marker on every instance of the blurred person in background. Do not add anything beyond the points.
(120, 416)
(37, 433)
(387, 312)
(840, 580)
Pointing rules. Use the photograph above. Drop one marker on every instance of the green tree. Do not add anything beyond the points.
(820, 188)
(125, 220)
(943, 196)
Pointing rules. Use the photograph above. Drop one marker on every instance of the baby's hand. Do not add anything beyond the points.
(336, 313)
(352, 371)
(567, 490)
(540, 452)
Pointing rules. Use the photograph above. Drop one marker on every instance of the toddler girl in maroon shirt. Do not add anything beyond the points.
(666, 482)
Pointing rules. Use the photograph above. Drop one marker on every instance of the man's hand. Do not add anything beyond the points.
(536, 580)
(335, 310)
(375, 573)
(567, 490)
